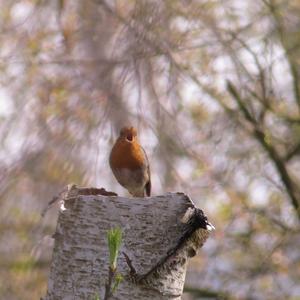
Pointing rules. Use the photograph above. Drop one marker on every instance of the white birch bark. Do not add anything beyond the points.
(151, 227)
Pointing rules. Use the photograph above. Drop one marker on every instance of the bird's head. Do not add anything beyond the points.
(128, 133)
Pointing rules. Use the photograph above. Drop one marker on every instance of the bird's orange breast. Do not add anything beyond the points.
(127, 155)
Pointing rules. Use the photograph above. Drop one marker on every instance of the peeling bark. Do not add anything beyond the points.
(159, 234)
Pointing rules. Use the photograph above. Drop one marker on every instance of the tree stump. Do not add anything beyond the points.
(159, 234)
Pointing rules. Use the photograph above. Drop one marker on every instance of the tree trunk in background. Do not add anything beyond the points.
(159, 234)
(97, 35)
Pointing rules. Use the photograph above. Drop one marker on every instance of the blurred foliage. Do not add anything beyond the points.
(213, 88)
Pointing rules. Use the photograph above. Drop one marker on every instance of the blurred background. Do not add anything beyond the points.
(213, 88)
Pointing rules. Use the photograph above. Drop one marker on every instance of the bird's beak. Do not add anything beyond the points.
(129, 137)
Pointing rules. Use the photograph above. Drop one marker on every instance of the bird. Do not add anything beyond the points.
(129, 163)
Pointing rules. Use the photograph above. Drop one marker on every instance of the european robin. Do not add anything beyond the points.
(129, 163)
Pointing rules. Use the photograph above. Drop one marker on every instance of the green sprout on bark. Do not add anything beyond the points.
(114, 239)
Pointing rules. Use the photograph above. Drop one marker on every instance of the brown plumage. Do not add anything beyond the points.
(129, 163)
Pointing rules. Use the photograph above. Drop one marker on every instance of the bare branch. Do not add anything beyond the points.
(273, 155)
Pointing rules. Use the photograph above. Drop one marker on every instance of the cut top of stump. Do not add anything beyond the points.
(159, 234)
